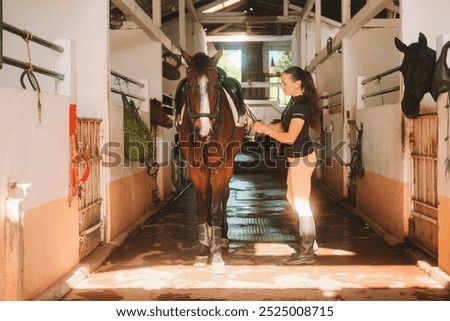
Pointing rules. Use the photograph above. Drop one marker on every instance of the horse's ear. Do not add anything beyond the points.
(186, 56)
(400, 45)
(216, 57)
(423, 40)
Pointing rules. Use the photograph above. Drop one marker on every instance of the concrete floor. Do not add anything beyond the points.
(353, 263)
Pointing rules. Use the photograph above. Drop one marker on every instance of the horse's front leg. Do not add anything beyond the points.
(219, 189)
(200, 181)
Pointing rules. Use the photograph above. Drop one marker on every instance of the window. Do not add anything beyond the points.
(279, 61)
(231, 62)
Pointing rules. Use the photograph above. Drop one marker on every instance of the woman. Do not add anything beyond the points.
(301, 113)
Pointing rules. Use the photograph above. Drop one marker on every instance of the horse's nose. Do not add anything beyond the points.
(204, 127)
(203, 135)
(169, 123)
(205, 138)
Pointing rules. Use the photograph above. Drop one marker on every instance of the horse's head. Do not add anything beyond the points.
(417, 70)
(203, 92)
(157, 114)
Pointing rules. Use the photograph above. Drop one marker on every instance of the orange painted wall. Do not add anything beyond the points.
(50, 245)
(444, 235)
(165, 185)
(129, 200)
(381, 200)
(333, 178)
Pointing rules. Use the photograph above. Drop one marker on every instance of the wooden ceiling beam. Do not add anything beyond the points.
(191, 9)
(215, 31)
(238, 17)
(367, 13)
(132, 10)
(307, 9)
(243, 37)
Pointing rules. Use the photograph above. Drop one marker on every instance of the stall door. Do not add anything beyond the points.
(89, 200)
(423, 220)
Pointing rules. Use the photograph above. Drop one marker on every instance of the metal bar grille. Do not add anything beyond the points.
(90, 201)
(27, 35)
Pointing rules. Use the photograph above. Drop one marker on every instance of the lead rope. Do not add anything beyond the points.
(447, 139)
(30, 74)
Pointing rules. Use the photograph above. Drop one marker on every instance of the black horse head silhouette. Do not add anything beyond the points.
(417, 69)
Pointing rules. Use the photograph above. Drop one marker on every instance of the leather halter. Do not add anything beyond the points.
(213, 116)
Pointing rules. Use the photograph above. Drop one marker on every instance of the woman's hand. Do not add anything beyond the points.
(258, 127)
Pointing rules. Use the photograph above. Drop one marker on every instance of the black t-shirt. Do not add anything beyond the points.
(298, 107)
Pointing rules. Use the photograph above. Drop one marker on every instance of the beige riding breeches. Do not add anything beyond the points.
(299, 183)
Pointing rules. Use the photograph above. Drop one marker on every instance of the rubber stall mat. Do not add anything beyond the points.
(275, 229)
(252, 195)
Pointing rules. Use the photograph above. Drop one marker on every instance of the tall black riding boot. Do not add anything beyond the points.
(307, 236)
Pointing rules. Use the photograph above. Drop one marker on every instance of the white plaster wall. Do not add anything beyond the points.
(34, 152)
(369, 52)
(443, 115)
(443, 147)
(309, 46)
(382, 146)
(429, 17)
(329, 76)
(135, 55)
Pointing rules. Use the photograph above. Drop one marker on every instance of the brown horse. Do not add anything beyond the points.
(157, 114)
(209, 140)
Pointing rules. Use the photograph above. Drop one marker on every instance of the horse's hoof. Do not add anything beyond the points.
(201, 261)
(218, 268)
(217, 265)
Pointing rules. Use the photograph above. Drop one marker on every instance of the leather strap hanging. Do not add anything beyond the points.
(76, 157)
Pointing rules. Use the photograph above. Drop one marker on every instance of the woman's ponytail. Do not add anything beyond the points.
(309, 90)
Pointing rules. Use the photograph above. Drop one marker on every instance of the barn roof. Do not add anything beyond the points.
(254, 17)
